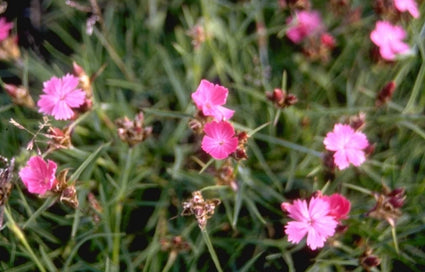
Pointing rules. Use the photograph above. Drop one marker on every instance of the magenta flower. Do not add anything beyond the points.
(38, 176)
(60, 96)
(347, 144)
(219, 140)
(305, 23)
(5, 27)
(311, 219)
(407, 5)
(389, 39)
(339, 206)
(209, 98)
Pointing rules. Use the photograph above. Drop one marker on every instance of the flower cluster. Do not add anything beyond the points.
(317, 218)
(219, 140)
(387, 36)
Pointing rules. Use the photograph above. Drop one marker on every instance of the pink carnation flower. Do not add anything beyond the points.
(347, 144)
(219, 140)
(339, 206)
(38, 176)
(407, 5)
(209, 98)
(5, 27)
(60, 96)
(311, 219)
(304, 24)
(389, 39)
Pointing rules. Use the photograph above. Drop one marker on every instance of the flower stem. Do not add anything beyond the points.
(118, 211)
(211, 250)
(21, 236)
(393, 232)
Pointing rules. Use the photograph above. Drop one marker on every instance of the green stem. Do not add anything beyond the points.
(211, 250)
(393, 232)
(21, 236)
(171, 259)
(118, 211)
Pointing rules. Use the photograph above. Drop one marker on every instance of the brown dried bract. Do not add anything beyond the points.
(202, 209)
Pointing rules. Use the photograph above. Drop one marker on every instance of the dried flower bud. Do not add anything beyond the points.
(59, 139)
(133, 132)
(225, 175)
(198, 35)
(357, 122)
(388, 204)
(20, 95)
(200, 208)
(9, 49)
(368, 260)
(385, 94)
(176, 243)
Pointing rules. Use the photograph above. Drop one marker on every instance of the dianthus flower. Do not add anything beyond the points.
(389, 39)
(60, 96)
(38, 176)
(339, 206)
(209, 98)
(304, 24)
(219, 140)
(5, 27)
(347, 144)
(407, 5)
(310, 219)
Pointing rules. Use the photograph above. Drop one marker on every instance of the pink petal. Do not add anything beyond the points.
(299, 210)
(62, 111)
(38, 176)
(69, 83)
(356, 157)
(314, 239)
(318, 208)
(75, 98)
(296, 231)
(340, 159)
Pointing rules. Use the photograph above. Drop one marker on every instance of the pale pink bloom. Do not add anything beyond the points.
(407, 5)
(5, 27)
(339, 206)
(311, 219)
(60, 96)
(38, 176)
(347, 144)
(209, 98)
(389, 39)
(219, 140)
(304, 24)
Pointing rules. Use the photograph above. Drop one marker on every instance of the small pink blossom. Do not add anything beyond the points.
(389, 39)
(60, 96)
(209, 98)
(407, 5)
(5, 28)
(339, 206)
(305, 23)
(38, 176)
(311, 219)
(348, 145)
(219, 140)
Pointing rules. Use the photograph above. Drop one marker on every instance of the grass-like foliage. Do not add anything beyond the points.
(304, 104)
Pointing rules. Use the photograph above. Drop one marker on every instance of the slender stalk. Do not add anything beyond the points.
(21, 236)
(393, 232)
(118, 211)
(171, 259)
(211, 250)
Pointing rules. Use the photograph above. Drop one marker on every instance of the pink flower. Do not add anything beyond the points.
(407, 5)
(5, 27)
(389, 40)
(209, 98)
(60, 96)
(304, 24)
(347, 144)
(339, 206)
(311, 219)
(219, 140)
(38, 176)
